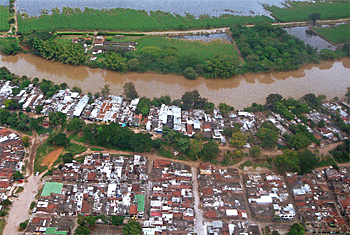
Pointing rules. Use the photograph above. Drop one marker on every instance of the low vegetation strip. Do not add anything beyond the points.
(335, 34)
(128, 20)
(300, 11)
(203, 50)
(4, 18)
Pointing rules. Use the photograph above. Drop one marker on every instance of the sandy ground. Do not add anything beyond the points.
(19, 211)
(52, 157)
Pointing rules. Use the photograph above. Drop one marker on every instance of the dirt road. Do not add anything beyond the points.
(20, 207)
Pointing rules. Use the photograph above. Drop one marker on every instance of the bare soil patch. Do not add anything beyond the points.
(51, 157)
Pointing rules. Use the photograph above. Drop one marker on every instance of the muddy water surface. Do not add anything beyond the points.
(328, 78)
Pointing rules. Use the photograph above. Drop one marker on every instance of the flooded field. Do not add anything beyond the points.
(304, 34)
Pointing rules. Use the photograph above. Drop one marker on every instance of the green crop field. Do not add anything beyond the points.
(336, 34)
(203, 50)
(300, 11)
(129, 20)
(4, 18)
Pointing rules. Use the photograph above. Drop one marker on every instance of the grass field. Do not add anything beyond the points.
(4, 18)
(129, 20)
(336, 34)
(300, 11)
(203, 50)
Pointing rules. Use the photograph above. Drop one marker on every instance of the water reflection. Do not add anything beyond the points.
(329, 78)
(304, 34)
(204, 37)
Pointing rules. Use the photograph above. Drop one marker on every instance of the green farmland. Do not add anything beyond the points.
(4, 18)
(203, 50)
(336, 34)
(300, 11)
(128, 20)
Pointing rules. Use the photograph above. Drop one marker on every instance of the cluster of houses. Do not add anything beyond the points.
(102, 184)
(169, 197)
(315, 203)
(101, 44)
(117, 109)
(268, 197)
(12, 153)
(171, 205)
(221, 193)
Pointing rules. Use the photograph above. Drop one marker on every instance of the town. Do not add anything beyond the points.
(172, 196)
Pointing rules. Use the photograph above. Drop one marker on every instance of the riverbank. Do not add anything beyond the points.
(329, 78)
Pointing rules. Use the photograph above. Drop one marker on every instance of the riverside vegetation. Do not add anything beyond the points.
(264, 48)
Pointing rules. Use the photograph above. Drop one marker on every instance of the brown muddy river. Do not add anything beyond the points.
(328, 78)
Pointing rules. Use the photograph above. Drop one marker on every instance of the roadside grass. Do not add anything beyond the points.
(336, 34)
(19, 190)
(96, 149)
(42, 130)
(129, 20)
(248, 163)
(204, 50)
(2, 225)
(75, 149)
(300, 11)
(32, 205)
(4, 18)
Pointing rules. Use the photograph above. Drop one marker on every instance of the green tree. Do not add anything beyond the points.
(268, 137)
(225, 108)
(57, 118)
(82, 230)
(255, 151)
(288, 161)
(314, 16)
(209, 151)
(296, 229)
(25, 141)
(132, 228)
(115, 62)
(238, 139)
(143, 106)
(190, 73)
(105, 90)
(67, 157)
(38, 109)
(116, 220)
(130, 91)
(17, 175)
(75, 124)
(58, 139)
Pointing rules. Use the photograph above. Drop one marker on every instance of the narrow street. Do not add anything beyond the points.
(199, 223)
(19, 211)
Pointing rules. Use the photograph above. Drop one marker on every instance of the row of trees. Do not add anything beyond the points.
(66, 53)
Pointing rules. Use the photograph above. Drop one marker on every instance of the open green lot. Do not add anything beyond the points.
(2, 225)
(300, 11)
(204, 50)
(336, 34)
(129, 20)
(4, 18)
